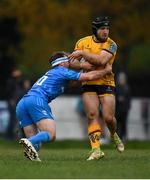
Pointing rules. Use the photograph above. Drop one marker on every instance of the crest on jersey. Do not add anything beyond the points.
(113, 48)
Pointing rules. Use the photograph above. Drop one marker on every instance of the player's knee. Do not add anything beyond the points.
(108, 118)
(92, 115)
(52, 135)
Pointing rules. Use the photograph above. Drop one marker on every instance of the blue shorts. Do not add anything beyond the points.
(32, 109)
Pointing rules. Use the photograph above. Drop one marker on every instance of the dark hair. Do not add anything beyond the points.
(56, 55)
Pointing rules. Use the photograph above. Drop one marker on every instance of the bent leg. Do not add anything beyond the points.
(30, 150)
(108, 105)
(29, 131)
(108, 112)
(41, 115)
(91, 105)
(46, 132)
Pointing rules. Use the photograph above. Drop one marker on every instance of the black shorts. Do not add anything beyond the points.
(100, 90)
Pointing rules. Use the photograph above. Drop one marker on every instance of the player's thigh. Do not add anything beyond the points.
(91, 103)
(38, 108)
(41, 114)
(48, 125)
(30, 130)
(22, 114)
(108, 106)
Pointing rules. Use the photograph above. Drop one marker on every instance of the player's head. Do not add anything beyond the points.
(58, 58)
(100, 28)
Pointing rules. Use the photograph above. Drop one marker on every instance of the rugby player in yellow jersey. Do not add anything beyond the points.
(98, 50)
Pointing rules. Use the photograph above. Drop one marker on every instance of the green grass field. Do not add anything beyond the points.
(66, 160)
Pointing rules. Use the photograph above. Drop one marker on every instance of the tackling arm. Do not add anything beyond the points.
(77, 65)
(95, 59)
(93, 75)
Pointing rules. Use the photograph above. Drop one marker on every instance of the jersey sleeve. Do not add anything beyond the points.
(79, 45)
(71, 74)
(111, 47)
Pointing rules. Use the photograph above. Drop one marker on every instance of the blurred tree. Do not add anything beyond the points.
(49, 26)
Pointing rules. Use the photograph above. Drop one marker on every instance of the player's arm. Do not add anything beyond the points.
(77, 65)
(95, 59)
(93, 75)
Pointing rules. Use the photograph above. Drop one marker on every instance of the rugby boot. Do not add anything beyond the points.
(96, 154)
(29, 150)
(118, 142)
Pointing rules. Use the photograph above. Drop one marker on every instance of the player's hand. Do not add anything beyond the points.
(74, 64)
(76, 55)
(108, 68)
(87, 66)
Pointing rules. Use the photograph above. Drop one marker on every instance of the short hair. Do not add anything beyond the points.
(57, 55)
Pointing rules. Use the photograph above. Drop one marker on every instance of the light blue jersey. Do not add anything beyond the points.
(53, 83)
(34, 105)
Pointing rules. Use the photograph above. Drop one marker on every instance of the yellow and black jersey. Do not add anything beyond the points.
(89, 45)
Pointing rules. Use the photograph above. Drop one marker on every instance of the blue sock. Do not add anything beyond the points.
(41, 137)
(37, 147)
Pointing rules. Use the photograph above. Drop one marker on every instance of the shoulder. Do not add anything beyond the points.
(63, 70)
(112, 46)
(57, 69)
(83, 41)
(111, 42)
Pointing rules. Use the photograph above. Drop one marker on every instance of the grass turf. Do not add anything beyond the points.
(67, 160)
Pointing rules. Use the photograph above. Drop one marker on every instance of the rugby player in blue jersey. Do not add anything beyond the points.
(33, 110)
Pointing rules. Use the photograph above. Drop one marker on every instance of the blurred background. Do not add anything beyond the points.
(31, 30)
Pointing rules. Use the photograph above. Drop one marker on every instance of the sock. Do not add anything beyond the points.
(94, 131)
(37, 147)
(41, 137)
